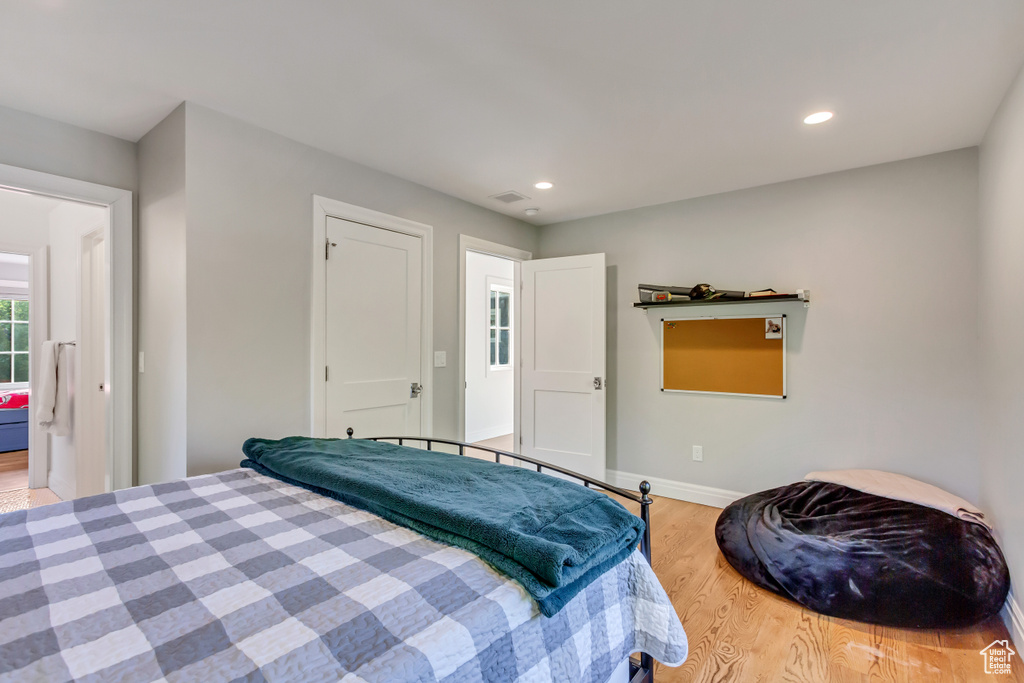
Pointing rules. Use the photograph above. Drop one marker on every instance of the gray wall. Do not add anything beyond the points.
(1002, 324)
(249, 250)
(39, 144)
(882, 369)
(161, 296)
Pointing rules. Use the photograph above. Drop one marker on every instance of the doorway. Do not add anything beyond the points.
(558, 347)
(491, 327)
(489, 281)
(18, 321)
(77, 240)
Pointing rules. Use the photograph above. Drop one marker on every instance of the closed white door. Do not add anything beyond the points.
(373, 330)
(563, 356)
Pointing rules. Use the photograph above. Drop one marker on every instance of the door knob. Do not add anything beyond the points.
(415, 390)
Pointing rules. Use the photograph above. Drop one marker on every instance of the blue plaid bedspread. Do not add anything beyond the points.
(240, 577)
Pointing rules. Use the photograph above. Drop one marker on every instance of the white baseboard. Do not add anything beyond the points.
(61, 487)
(679, 490)
(1013, 617)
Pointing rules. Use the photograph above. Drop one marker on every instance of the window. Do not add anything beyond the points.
(500, 327)
(13, 341)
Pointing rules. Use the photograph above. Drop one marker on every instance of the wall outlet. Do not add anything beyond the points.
(698, 454)
(440, 359)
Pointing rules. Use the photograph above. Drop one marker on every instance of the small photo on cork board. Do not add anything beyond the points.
(740, 356)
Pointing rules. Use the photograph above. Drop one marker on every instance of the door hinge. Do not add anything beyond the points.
(327, 373)
(520, 440)
(327, 248)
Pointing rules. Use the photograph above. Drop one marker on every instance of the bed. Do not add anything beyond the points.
(243, 576)
(13, 421)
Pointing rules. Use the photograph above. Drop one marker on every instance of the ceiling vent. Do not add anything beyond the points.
(509, 197)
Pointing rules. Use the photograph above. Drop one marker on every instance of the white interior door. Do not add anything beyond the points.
(563, 356)
(373, 330)
(92, 468)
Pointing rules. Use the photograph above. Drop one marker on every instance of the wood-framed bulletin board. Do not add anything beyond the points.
(734, 355)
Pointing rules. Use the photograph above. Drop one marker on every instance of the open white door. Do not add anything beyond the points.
(563, 356)
(93, 464)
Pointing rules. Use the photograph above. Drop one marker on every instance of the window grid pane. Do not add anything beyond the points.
(5, 367)
(500, 327)
(503, 309)
(21, 367)
(503, 347)
(5, 309)
(21, 311)
(20, 336)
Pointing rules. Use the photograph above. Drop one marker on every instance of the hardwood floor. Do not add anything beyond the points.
(739, 632)
(13, 470)
(502, 443)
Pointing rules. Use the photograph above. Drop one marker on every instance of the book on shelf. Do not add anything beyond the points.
(762, 292)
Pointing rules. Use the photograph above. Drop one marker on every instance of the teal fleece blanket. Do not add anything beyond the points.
(552, 536)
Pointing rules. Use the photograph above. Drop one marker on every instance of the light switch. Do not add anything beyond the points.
(440, 359)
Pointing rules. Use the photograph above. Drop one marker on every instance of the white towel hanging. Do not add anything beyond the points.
(53, 401)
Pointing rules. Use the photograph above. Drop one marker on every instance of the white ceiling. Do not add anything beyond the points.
(620, 104)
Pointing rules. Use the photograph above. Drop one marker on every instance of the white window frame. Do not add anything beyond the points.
(499, 286)
(16, 386)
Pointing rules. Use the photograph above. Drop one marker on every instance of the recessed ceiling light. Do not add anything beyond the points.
(819, 117)
(532, 212)
(544, 185)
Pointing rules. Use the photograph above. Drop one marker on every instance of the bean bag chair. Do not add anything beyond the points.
(850, 553)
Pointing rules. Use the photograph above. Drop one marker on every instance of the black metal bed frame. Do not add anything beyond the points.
(639, 672)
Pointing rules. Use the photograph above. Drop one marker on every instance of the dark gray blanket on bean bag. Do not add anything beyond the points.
(854, 555)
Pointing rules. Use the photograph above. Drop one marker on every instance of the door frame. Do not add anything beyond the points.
(120, 255)
(324, 207)
(469, 243)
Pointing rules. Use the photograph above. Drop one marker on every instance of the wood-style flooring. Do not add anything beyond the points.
(739, 632)
(502, 443)
(13, 470)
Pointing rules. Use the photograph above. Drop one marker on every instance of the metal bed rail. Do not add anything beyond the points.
(642, 671)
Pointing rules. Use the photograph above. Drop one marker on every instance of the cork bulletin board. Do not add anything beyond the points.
(743, 355)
